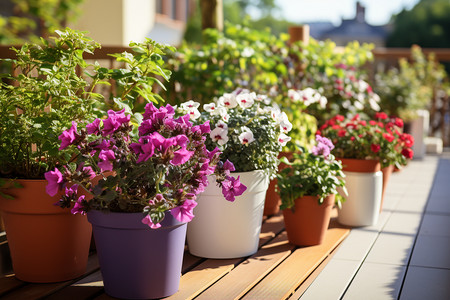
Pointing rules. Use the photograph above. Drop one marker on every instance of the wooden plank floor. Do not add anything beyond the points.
(278, 270)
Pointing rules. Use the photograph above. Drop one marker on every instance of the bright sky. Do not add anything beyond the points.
(378, 12)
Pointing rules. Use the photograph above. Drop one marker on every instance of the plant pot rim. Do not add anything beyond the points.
(360, 165)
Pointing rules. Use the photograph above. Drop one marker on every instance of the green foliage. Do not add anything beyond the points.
(49, 93)
(426, 24)
(34, 18)
(144, 69)
(43, 100)
(309, 175)
(410, 87)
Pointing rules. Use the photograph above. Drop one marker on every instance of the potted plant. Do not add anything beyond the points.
(302, 132)
(362, 146)
(40, 98)
(250, 133)
(307, 186)
(145, 196)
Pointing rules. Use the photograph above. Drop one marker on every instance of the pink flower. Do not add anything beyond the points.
(147, 151)
(68, 136)
(94, 127)
(55, 181)
(181, 156)
(114, 120)
(106, 156)
(78, 208)
(184, 213)
(232, 187)
(147, 220)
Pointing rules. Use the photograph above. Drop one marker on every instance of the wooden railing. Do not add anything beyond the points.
(439, 106)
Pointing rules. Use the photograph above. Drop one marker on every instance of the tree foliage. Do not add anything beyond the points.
(427, 25)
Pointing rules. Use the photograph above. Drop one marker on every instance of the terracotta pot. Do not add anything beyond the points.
(47, 243)
(307, 225)
(387, 171)
(138, 262)
(273, 200)
(360, 165)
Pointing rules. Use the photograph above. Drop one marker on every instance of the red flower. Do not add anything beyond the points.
(340, 118)
(398, 122)
(318, 132)
(373, 123)
(363, 123)
(381, 116)
(356, 117)
(352, 138)
(388, 137)
(369, 89)
(375, 148)
(389, 125)
(408, 139)
(335, 127)
(342, 133)
(408, 153)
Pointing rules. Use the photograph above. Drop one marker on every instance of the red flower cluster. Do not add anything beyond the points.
(381, 138)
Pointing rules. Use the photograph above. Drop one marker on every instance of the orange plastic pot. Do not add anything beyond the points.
(387, 171)
(47, 243)
(308, 223)
(273, 200)
(360, 165)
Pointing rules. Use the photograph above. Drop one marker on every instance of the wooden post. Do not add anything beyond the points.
(299, 33)
(212, 14)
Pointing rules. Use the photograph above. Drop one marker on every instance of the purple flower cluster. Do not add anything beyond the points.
(323, 147)
(163, 169)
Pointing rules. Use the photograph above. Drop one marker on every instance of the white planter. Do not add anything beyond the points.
(362, 206)
(419, 131)
(223, 229)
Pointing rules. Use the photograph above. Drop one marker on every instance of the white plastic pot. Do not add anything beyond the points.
(223, 229)
(362, 207)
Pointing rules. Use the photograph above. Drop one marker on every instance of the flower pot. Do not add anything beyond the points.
(47, 243)
(362, 205)
(387, 171)
(223, 229)
(308, 223)
(138, 262)
(273, 200)
(364, 183)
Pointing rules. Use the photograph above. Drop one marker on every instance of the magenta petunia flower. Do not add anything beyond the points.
(68, 136)
(181, 156)
(185, 212)
(78, 208)
(228, 166)
(55, 181)
(147, 220)
(182, 140)
(147, 151)
(106, 156)
(146, 127)
(232, 187)
(94, 127)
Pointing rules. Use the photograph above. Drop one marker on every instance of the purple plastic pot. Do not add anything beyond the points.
(138, 262)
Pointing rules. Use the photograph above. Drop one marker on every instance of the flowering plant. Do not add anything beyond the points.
(245, 127)
(314, 173)
(380, 139)
(162, 169)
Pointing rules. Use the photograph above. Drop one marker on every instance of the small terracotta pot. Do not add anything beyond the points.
(387, 171)
(47, 243)
(273, 200)
(307, 225)
(360, 165)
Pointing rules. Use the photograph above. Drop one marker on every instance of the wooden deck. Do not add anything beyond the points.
(277, 271)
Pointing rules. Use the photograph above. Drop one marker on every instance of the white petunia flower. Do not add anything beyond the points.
(323, 101)
(194, 114)
(221, 124)
(228, 100)
(285, 125)
(283, 139)
(294, 95)
(211, 108)
(246, 137)
(245, 100)
(373, 102)
(219, 135)
(189, 105)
